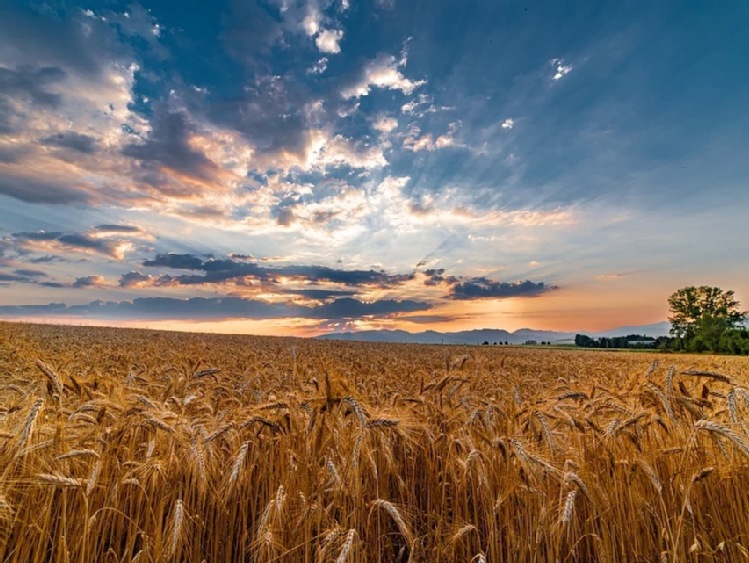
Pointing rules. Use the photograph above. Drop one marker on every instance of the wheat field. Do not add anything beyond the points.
(132, 445)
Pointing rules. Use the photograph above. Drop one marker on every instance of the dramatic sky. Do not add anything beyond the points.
(304, 166)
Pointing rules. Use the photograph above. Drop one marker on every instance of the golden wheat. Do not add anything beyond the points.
(129, 445)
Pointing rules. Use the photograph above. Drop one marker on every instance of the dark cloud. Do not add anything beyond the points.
(213, 308)
(31, 83)
(88, 281)
(22, 275)
(344, 277)
(75, 241)
(270, 115)
(30, 273)
(132, 279)
(353, 308)
(168, 146)
(78, 240)
(62, 38)
(46, 258)
(217, 271)
(285, 216)
(42, 190)
(12, 278)
(117, 229)
(480, 288)
(10, 154)
(37, 235)
(176, 261)
(319, 293)
(73, 141)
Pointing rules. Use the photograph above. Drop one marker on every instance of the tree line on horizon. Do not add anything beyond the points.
(703, 319)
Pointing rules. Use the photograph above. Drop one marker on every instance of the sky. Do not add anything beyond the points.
(309, 166)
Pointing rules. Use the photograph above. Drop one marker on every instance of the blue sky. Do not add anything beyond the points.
(304, 166)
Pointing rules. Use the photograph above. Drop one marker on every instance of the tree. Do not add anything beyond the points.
(703, 314)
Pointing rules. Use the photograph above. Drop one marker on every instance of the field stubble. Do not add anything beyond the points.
(120, 445)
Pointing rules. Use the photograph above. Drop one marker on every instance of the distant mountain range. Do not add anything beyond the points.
(489, 335)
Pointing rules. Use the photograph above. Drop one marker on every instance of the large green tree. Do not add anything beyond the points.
(703, 313)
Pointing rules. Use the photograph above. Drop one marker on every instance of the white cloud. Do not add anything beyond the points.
(319, 67)
(414, 142)
(385, 124)
(311, 23)
(561, 68)
(383, 72)
(508, 123)
(328, 40)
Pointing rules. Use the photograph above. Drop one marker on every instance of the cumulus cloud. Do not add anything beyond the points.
(382, 72)
(385, 123)
(135, 279)
(87, 282)
(328, 41)
(508, 123)
(415, 142)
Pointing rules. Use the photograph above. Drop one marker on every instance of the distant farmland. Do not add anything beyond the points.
(131, 445)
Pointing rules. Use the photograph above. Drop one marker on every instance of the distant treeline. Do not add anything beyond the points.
(629, 341)
(723, 341)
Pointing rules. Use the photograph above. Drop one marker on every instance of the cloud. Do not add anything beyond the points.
(347, 308)
(72, 140)
(135, 279)
(319, 294)
(217, 271)
(385, 124)
(30, 37)
(117, 229)
(483, 288)
(79, 242)
(89, 282)
(31, 189)
(328, 41)
(176, 262)
(508, 123)
(214, 308)
(168, 146)
(32, 84)
(270, 113)
(414, 142)
(30, 273)
(560, 68)
(22, 275)
(382, 72)
(319, 67)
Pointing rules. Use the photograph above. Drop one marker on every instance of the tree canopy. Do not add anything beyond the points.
(703, 317)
